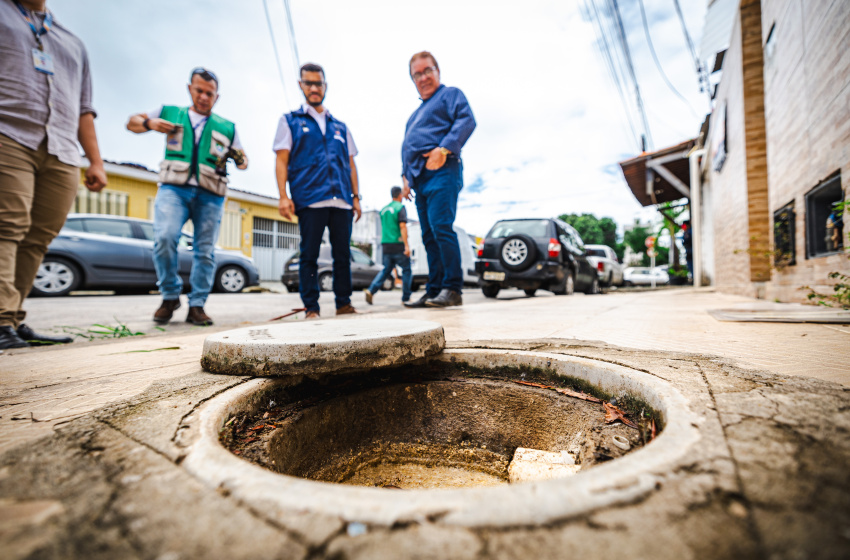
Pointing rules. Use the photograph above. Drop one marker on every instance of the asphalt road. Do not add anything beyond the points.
(78, 313)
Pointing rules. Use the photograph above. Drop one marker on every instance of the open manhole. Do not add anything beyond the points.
(438, 425)
(453, 431)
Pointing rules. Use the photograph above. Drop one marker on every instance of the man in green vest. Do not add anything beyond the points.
(193, 183)
(394, 247)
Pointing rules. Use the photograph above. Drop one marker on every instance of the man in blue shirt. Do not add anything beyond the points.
(431, 166)
(315, 154)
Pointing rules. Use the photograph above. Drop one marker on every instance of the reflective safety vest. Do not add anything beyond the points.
(390, 231)
(185, 159)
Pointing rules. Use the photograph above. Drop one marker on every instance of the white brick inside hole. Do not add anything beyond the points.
(531, 465)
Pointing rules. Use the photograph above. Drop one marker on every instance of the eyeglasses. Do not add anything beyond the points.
(427, 72)
(308, 84)
(203, 73)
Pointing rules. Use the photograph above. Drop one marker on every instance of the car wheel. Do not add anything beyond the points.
(530, 293)
(594, 287)
(326, 282)
(56, 277)
(388, 284)
(518, 252)
(230, 280)
(567, 286)
(490, 290)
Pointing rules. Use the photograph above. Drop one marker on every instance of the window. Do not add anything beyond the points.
(824, 222)
(147, 230)
(534, 228)
(75, 225)
(360, 257)
(113, 228)
(104, 202)
(783, 236)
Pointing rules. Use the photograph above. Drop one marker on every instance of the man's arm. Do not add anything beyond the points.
(405, 189)
(137, 124)
(402, 226)
(285, 206)
(463, 125)
(95, 174)
(355, 189)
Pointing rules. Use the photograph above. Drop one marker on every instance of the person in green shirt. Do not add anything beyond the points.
(394, 247)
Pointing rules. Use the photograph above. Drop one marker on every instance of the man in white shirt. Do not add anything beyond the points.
(193, 183)
(315, 154)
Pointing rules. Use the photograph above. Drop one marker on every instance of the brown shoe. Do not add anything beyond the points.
(312, 314)
(346, 310)
(166, 310)
(197, 316)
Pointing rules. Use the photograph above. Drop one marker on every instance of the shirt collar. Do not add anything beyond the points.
(436, 91)
(309, 110)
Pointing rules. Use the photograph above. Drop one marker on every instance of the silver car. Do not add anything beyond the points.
(607, 265)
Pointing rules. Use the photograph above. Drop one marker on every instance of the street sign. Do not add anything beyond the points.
(652, 253)
(650, 242)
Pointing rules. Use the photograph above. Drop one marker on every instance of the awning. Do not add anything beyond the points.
(660, 176)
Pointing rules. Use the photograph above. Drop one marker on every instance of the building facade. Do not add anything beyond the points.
(778, 151)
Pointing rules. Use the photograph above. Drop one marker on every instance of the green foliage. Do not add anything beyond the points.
(98, 331)
(595, 231)
(840, 296)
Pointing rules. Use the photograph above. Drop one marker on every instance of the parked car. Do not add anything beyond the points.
(606, 263)
(643, 276)
(363, 271)
(115, 252)
(533, 254)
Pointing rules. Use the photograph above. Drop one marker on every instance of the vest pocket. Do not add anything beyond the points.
(174, 139)
(219, 144)
(212, 181)
(174, 172)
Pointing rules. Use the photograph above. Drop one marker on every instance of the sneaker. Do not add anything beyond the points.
(368, 295)
(346, 310)
(166, 310)
(312, 314)
(197, 316)
(418, 303)
(447, 298)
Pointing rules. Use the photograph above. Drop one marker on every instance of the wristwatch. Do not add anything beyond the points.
(444, 151)
(358, 196)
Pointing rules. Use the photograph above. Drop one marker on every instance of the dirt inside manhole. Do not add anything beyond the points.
(437, 425)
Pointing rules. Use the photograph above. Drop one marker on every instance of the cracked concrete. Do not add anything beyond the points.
(768, 480)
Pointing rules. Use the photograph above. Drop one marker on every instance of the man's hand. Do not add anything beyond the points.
(407, 250)
(357, 212)
(436, 159)
(286, 208)
(405, 190)
(161, 125)
(95, 177)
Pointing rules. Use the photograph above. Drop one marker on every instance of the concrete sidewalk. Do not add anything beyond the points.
(47, 387)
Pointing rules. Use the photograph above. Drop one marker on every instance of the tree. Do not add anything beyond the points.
(595, 231)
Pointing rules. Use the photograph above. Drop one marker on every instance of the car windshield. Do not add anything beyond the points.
(534, 228)
(595, 253)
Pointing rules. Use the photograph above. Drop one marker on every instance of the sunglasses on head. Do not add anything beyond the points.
(203, 73)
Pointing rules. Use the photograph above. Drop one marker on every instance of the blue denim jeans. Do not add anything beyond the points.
(390, 262)
(173, 206)
(312, 223)
(436, 203)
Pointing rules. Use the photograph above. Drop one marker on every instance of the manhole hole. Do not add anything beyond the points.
(446, 430)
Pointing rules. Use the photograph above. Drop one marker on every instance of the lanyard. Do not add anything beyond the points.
(45, 26)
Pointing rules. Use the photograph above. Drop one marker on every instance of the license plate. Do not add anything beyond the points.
(496, 276)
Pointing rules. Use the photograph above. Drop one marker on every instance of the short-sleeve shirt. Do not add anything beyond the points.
(34, 105)
(396, 248)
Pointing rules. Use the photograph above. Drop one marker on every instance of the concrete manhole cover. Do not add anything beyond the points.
(315, 348)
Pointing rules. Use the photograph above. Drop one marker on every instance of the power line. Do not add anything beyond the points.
(292, 41)
(276, 55)
(702, 74)
(625, 45)
(657, 62)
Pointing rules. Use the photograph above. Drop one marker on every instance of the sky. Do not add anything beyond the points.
(551, 125)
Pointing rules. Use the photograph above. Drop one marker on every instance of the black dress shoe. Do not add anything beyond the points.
(419, 302)
(36, 339)
(447, 298)
(9, 339)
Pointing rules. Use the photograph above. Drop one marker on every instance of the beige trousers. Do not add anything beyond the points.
(36, 193)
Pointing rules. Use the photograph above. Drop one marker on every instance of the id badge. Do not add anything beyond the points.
(174, 139)
(42, 61)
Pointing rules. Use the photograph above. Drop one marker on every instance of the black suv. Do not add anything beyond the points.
(533, 254)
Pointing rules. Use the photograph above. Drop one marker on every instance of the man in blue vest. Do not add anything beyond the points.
(395, 249)
(315, 154)
(431, 166)
(193, 182)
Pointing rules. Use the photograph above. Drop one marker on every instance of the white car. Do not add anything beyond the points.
(643, 276)
(608, 267)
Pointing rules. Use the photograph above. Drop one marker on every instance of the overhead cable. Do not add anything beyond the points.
(658, 63)
(293, 43)
(276, 55)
